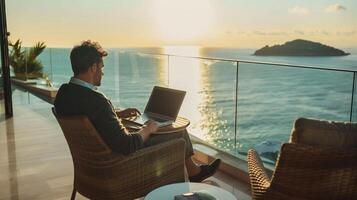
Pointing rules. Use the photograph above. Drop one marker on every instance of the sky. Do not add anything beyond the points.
(205, 23)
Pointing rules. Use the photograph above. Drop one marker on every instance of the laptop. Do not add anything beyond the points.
(163, 106)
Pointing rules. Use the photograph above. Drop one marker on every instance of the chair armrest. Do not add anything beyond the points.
(148, 168)
(132, 176)
(174, 149)
(259, 179)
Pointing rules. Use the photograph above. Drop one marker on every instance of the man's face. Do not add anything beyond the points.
(99, 73)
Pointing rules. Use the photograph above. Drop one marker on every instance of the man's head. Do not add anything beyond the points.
(87, 58)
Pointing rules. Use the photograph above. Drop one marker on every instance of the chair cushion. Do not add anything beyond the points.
(326, 133)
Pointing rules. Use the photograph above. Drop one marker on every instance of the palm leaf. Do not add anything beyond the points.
(25, 62)
(35, 51)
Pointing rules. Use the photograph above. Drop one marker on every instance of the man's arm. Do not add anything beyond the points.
(149, 128)
(127, 113)
(114, 133)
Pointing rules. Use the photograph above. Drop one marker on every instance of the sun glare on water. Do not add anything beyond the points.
(186, 74)
(182, 20)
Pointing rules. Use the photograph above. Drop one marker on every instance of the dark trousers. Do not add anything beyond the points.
(159, 138)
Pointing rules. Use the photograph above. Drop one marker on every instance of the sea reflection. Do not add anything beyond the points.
(193, 76)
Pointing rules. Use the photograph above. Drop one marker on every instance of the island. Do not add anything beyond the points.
(300, 47)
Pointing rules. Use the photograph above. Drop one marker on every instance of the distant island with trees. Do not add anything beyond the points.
(300, 47)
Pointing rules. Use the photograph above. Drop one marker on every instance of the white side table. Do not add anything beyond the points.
(168, 192)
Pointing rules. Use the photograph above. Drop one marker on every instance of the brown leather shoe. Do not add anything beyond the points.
(206, 171)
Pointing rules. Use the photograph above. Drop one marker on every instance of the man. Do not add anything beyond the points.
(80, 97)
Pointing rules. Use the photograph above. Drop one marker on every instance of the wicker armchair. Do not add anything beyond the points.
(100, 173)
(308, 171)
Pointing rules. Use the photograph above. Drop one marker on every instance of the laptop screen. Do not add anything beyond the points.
(165, 101)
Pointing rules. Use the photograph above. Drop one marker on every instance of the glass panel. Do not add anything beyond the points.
(110, 80)
(137, 74)
(33, 77)
(210, 100)
(59, 66)
(45, 58)
(272, 97)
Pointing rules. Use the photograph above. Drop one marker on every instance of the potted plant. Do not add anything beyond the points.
(24, 63)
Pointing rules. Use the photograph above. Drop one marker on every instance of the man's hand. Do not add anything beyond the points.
(148, 128)
(151, 126)
(129, 112)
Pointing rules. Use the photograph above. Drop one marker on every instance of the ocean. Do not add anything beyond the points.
(269, 99)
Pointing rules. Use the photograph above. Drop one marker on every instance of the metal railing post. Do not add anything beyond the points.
(353, 94)
(51, 71)
(236, 108)
(168, 70)
(118, 82)
(26, 65)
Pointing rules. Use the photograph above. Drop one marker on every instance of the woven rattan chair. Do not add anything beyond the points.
(308, 171)
(100, 173)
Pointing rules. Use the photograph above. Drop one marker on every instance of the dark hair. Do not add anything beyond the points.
(85, 55)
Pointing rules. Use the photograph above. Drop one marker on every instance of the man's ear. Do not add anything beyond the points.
(93, 68)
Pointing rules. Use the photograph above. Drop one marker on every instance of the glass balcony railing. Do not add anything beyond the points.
(232, 104)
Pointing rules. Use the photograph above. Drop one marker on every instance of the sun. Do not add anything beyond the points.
(182, 20)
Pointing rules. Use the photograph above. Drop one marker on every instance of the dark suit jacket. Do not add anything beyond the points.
(74, 99)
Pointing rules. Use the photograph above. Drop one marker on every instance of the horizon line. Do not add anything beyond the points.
(163, 46)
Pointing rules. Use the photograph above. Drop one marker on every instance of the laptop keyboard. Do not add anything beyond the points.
(157, 119)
